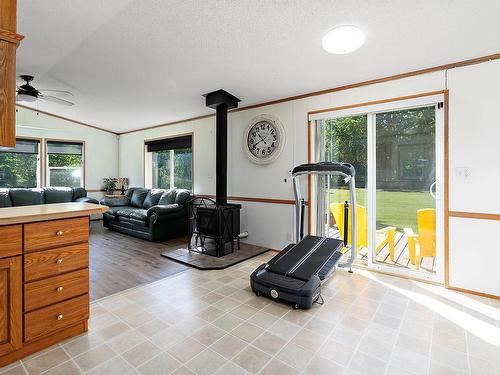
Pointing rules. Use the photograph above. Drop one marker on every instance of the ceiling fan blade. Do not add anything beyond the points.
(55, 100)
(58, 91)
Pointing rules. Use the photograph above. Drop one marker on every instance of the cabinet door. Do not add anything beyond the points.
(10, 304)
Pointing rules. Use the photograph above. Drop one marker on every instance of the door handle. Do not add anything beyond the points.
(433, 195)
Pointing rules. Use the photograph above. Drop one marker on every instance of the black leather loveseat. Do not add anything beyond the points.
(152, 214)
(27, 197)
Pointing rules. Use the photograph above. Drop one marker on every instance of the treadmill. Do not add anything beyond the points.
(294, 275)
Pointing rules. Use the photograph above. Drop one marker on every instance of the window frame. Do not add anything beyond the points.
(148, 161)
(40, 173)
(45, 154)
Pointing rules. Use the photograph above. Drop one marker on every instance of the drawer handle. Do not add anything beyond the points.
(59, 289)
(59, 261)
(59, 233)
(59, 317)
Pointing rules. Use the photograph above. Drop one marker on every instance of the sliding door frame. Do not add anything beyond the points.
(442, 172)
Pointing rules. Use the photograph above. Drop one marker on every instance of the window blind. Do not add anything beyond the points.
(23, 146)
(185, 141)
(66, 148)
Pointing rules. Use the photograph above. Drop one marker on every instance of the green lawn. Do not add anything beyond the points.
(394, 208)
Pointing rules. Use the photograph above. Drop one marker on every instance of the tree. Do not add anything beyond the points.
(346, 142)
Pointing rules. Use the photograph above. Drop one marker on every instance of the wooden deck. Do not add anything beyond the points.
(401, 256)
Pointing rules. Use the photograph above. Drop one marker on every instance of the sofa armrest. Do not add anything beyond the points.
(165, 209)
(114, 202)
(86, 200)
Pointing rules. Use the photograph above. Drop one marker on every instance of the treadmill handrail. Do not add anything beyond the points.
(345, 170)
(324, 168)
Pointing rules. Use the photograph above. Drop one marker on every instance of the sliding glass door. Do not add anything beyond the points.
(398, 156)
(343, 139)
(405, 176)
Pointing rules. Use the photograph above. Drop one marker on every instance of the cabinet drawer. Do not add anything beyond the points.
(55, 289)
(11, 240)
(53, 262)
(49, 234)
(50, 319)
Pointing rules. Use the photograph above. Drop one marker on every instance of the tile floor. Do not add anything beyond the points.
(209, 322)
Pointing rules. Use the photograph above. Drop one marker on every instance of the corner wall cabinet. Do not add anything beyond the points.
(44, 276)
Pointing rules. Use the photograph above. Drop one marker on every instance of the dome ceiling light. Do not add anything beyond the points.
(343, 39)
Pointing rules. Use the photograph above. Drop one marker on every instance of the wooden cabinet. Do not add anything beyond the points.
(50, 319)
(56, 276)
(55, 289)
(10, 304)
(52, 262)
(11, 240)
(44, 276)
(9, 40)
(54, 233)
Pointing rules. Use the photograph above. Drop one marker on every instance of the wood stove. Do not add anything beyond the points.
(213, 228)
(215, 224)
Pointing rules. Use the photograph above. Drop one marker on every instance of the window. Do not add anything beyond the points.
(169, 163)
(65, 164)
(20, 165)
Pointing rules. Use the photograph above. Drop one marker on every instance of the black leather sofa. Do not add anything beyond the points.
(26, 197)
(151, 214)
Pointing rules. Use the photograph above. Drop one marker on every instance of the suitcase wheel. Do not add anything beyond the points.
(295, 306)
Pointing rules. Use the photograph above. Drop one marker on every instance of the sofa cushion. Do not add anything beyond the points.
(152, 198)
(5, 198)
(58, 194)
(113, 210)
(130, 213)
(130, 191)
(139, 214)
(124, 211)
(27, 197)
(118, 201)
(168, 197)
(79, 192)
(138, 197)
(168, 211)
(182, 196)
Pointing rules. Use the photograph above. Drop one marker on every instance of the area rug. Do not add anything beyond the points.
(208, 262)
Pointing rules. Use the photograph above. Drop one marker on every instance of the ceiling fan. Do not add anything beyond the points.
(27, 93)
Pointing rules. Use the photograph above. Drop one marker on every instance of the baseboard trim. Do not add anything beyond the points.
(473, 292)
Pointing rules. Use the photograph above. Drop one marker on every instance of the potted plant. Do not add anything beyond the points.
(110, 184)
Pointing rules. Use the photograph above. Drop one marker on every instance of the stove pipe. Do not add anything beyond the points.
(221, 101)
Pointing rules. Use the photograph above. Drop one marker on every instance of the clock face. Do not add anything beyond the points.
(263, 139)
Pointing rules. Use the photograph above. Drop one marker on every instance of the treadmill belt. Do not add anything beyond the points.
(327, 268)
(286, 261)
(315, 262)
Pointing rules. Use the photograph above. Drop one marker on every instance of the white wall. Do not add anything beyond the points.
(101, 147)
(474, 134)
(474, 255)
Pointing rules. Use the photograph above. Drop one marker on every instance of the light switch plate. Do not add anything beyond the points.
(463, 173)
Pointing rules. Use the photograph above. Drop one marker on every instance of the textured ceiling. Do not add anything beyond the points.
(136, 63)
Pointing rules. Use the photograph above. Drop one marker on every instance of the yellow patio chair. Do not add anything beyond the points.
(422, 244)
(384, 236)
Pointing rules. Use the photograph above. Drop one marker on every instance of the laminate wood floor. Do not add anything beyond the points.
(119, 262)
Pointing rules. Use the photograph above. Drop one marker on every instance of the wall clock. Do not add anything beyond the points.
(264, 139)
